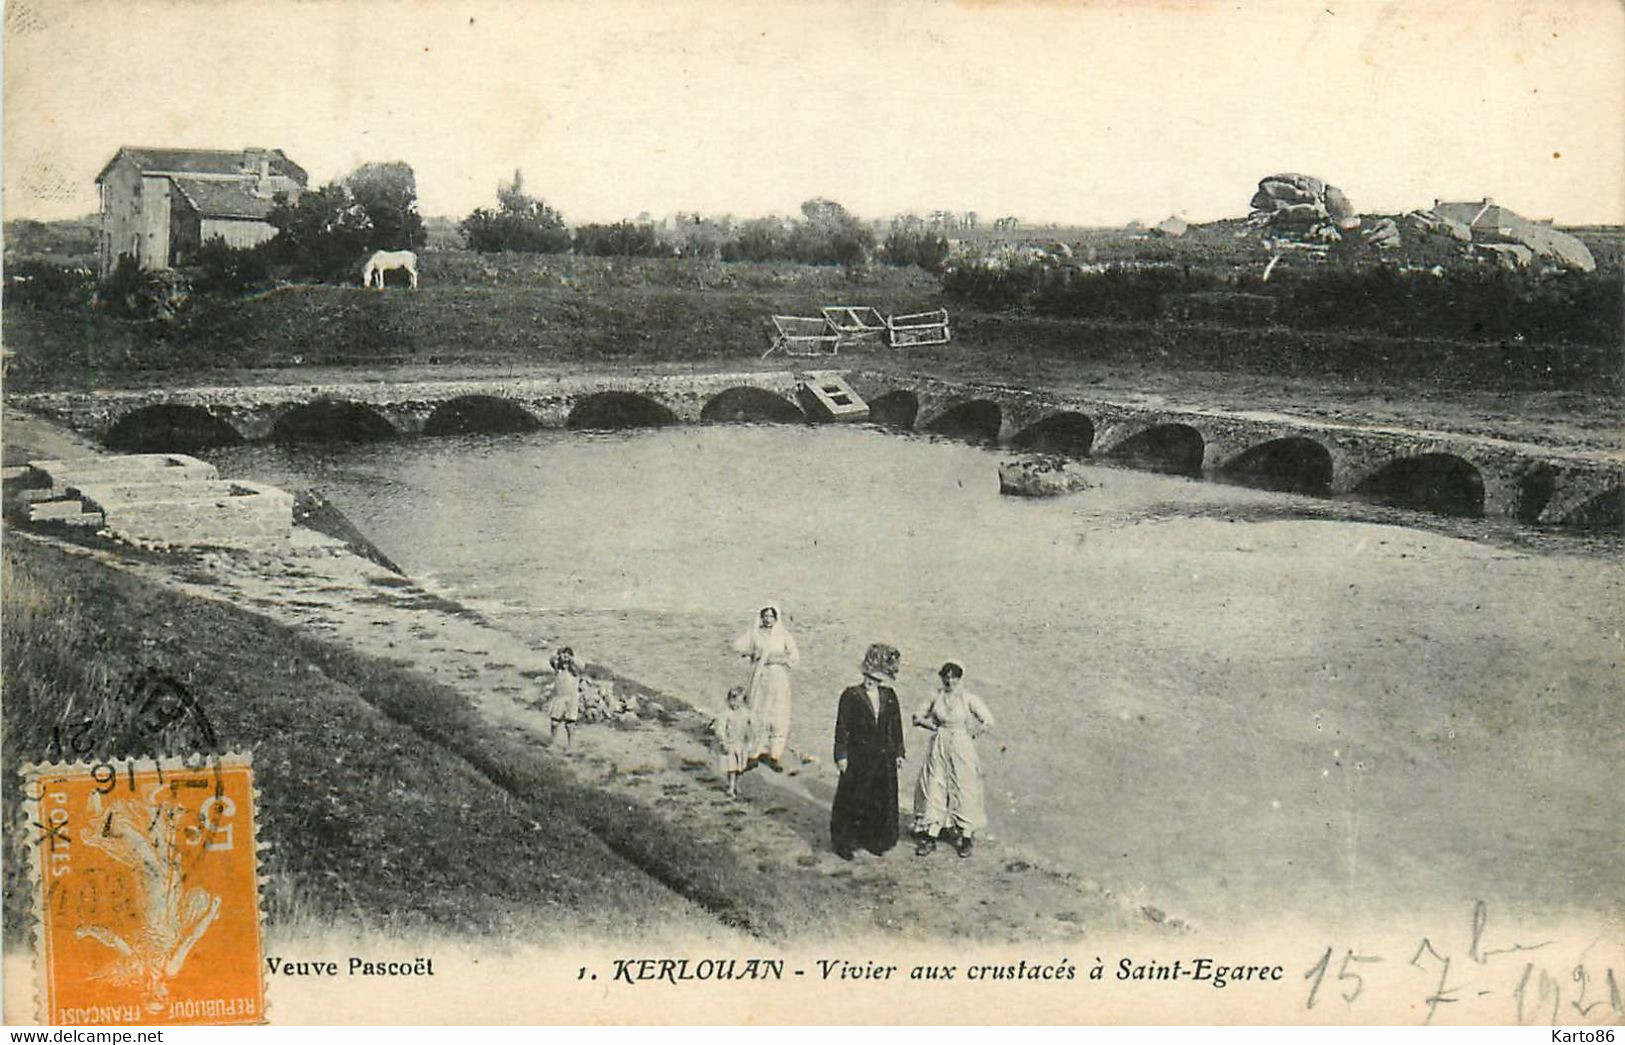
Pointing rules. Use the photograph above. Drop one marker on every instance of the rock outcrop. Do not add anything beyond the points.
(1548, 244)
(1303, 206)
(1041, 476)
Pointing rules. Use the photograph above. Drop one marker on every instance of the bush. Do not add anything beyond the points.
(759, 239)
(1478, 304)
(131, 292)
(222, 270)
(42, 285)
(827, 235)
(624, 239)
(920, 247)
(521, 223)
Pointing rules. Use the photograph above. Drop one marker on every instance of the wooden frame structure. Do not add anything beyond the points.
(804, 336)
(855, 324)
(919, 328)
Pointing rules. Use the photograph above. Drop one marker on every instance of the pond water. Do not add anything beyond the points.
(1232, 703)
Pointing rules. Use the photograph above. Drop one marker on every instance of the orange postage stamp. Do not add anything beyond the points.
(147, 896)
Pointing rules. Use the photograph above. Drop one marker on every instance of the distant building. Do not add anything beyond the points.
(1486, 218)
(1491, 224)
(160, 205)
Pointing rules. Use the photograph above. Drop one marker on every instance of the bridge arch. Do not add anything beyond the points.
(1173, 449)
(619, 410)
(976, 421)
(1294, 464)
(1068, 432)
(899, 409)
(169, 428)
(1442, 483)
(748, 403)
(479, 414)
(1606, 511)
(332, 421)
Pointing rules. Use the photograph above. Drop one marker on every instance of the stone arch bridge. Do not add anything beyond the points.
(256, 412)
(1457, 474)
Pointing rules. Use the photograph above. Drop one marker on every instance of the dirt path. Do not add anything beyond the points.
(665, 762)
(31, 438)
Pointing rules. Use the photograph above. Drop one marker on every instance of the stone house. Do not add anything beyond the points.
(1492, 225)
(1486, 218)
(160, 205)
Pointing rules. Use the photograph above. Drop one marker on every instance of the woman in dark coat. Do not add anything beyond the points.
(868, 752)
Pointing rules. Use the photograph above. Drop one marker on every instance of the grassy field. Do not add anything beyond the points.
(490, 315)
(387, 801)
(527, 310)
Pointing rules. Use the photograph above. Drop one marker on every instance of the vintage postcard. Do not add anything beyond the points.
(767, 513)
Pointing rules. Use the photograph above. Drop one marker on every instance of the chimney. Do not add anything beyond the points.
(258, 163)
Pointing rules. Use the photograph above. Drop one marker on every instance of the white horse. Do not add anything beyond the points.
(372, 273)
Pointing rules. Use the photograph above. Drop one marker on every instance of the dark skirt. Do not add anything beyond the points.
(865, 812)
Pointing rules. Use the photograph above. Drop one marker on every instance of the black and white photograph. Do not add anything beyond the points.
(900, 513)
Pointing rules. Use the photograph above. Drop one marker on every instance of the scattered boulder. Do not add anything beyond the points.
(1548, 244)
(1278, 190)
(1439, 225)
(601, 703)
(1382, 233)
(1510, 256)
(1042, 475)
(1340, 210)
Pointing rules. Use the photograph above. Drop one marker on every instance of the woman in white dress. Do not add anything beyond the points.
(772, 652)
(948, 799)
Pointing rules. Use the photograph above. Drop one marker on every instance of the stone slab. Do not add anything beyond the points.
(55, 511)
(71, 473)
(112, 494)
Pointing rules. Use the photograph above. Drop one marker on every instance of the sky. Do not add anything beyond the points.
(1091, 113)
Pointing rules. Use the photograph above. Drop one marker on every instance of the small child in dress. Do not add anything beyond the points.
(734, 731)
(564, 706)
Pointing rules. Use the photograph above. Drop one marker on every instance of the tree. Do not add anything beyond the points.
(910, 242)
(696, 236)
(388, 194)
(758, 239)
(830, 235)
(520, 223)
(325, 236)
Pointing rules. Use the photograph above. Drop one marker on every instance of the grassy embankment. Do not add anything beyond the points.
(522, 311)
(387, 801)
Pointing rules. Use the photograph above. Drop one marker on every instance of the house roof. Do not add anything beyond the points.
(205, 161)
(1482, 213)
(222, 198)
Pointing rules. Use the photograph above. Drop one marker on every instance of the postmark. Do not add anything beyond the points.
(146, 884)
(151, 714)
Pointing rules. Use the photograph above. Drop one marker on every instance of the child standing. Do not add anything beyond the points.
(735, 732)
(564, 706)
